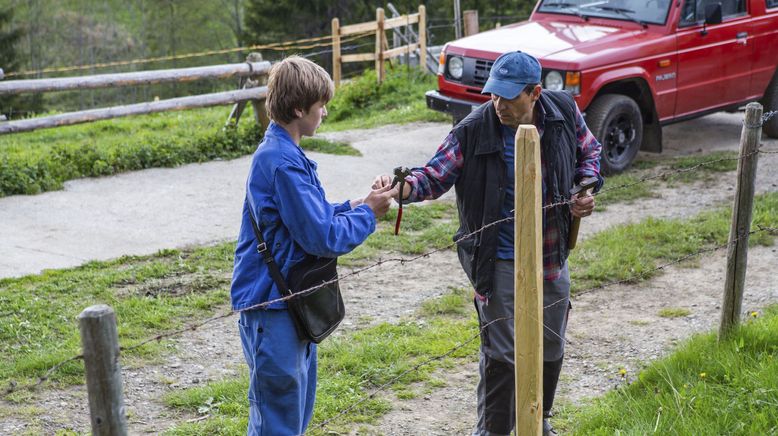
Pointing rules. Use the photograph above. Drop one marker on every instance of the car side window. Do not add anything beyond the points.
(772, 4)
(693, 11)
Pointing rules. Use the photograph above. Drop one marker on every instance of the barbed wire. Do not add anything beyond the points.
(765, 118)
(276, 46)
(636, 277)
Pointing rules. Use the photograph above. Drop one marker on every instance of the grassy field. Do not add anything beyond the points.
(704, 387)
(39, 161)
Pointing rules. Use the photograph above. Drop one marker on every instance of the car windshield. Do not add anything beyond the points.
(639, 11)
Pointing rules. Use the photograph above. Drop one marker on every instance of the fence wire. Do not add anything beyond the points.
(299, 44)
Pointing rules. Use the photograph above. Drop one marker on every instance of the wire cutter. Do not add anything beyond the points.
(400, 173)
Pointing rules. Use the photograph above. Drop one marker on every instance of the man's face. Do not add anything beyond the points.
(518, 110)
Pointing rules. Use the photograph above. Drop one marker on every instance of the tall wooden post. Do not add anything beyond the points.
(471, 22)
(528, 284)
(737, 252)
(336, 62)
(103, 373)
(380, 35)
(423, 37)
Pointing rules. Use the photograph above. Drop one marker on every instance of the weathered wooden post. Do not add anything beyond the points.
(528, 284)
(260, 111)
(737, 251)
(100, 343)
(336, 61)
(471, 22)
(380, 37)
(422, 36)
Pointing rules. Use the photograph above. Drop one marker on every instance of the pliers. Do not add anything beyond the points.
(400, 173)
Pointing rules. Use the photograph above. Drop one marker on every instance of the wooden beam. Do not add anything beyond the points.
(528, 284)
(400, 50)
(737, 251)
(360, 57)
(402, 20)
(135, 78)
(174, 104)
(352, 29)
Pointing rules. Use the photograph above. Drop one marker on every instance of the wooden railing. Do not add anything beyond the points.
(250, 71)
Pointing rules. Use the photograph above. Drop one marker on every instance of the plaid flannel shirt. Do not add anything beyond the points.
(441, 173)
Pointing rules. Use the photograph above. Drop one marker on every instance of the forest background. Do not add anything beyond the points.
(41, 34)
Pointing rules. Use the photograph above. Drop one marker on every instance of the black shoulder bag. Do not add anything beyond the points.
(318, 312)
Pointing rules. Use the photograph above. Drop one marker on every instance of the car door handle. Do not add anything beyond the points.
(742, 35)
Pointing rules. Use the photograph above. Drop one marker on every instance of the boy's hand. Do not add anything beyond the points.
(386, 180)
(380, 199)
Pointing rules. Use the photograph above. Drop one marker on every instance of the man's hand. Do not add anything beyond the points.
(583, 206)
(380, 199)
(386, 180)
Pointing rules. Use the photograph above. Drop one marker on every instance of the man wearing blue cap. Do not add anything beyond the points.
(477, 158)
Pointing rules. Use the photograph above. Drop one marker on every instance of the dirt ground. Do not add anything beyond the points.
(613, 328)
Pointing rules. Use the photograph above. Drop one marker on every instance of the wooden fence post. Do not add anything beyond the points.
(100, 343)
(336, 61)
(471, 22)
(380, 35)
(737, 252)
(528, 284)
(422, 36)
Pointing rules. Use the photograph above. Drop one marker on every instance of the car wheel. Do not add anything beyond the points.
(615, 121)
(770, 103)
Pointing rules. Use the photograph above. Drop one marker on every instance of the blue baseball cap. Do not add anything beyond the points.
(511, 73)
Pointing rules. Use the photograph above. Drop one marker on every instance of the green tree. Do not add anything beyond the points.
(9, 59)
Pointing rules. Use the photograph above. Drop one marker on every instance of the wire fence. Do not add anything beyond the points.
(13, 387)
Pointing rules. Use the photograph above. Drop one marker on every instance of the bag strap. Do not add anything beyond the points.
(272, 266)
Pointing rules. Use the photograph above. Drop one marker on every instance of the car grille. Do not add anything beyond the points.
(480, 72)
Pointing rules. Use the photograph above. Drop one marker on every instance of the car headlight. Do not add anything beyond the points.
(456, 67)
(554, 81)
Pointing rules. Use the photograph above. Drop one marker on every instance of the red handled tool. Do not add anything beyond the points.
(400, 173)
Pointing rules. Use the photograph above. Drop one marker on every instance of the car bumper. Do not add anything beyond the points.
(455, 107)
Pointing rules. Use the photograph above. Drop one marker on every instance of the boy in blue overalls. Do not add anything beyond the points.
(285, 196)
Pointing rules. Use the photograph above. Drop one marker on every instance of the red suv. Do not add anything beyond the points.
(632, 65)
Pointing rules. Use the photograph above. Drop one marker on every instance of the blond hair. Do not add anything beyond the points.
(296, 83)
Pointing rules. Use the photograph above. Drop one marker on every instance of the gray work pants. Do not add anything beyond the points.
(496, 396)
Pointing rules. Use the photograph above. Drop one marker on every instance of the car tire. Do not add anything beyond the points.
(770, 103)
(616, 121)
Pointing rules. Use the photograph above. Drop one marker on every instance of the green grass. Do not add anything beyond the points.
(350, 368)
(423, 228)
(361, 104)
(674, 312)
(606, 257)
(40, 161)
(151, 294)
(705, 387)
